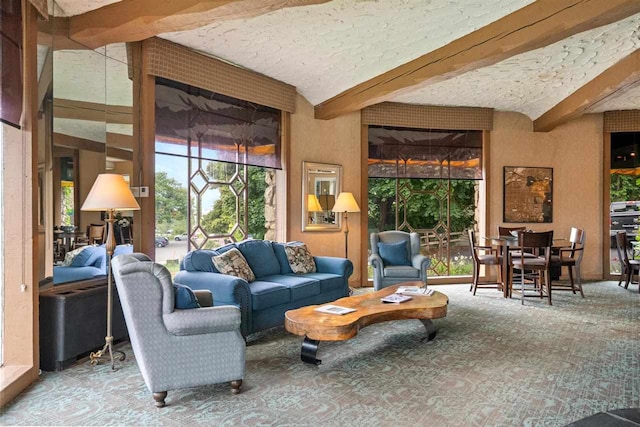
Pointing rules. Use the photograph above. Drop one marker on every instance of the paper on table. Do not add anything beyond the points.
(334, 309)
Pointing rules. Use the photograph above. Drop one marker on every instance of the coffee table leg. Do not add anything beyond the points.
(430, 327)
(309, 351)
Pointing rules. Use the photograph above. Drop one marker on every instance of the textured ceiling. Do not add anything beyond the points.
(90, 76)
(327, 48)
(535, 81)
(77, 7)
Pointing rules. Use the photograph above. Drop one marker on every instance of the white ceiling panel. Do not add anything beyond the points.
(535, 81)
(327, 48)
(78, 7)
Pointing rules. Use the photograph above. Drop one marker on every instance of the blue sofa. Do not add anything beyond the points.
(276, 289)
(90, 263)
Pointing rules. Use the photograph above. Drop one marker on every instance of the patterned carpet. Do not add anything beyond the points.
(494, 363)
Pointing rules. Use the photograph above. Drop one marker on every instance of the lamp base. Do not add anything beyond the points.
(94, 357)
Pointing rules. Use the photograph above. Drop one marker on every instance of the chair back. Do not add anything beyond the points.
(472, 245)
(535, 241)
(506, 231)
(395, 237)
(96, 233)
(577, 239)
(621, 245)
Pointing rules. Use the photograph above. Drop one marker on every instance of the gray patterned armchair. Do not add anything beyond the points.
(176, 348)
(395, 257)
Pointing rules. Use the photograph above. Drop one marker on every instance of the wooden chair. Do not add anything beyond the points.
(537, 266)
(629, 266)
(571, 258)
(484, 255)
(96, 233)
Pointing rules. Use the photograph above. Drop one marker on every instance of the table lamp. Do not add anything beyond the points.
(110, 192)
(313, 205)
(346, 203)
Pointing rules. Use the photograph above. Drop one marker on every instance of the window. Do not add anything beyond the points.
(427, 181)
(216, 158)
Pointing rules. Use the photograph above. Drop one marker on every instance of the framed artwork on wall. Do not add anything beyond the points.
(527, 194)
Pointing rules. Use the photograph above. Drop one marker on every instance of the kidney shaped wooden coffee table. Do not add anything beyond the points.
(316, 326)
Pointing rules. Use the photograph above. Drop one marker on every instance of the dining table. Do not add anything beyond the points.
(68, 238)
(505, 245)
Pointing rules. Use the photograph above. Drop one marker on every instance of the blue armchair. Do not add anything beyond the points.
(395, 257)
(176, 348)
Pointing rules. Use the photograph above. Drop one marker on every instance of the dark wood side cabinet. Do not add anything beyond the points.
(73, 322)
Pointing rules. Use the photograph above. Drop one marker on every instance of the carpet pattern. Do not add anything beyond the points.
(493, 363)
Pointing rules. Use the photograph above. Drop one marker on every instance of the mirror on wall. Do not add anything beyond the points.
(321, 184)
(119, 137)
(78, 149)
(85, 128)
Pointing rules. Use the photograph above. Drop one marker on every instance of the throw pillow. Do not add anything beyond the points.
(233, 263)
(300, 259)
(71, 255)
(184, 298)
(394, 253)
(87, 256)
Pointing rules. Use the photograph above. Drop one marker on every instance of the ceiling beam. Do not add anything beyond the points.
(119, 140)
(54, 33)
(534, 26)
(135, 20)
(614, 80)
(45, 79)
(73, 142)
(119, 153)
(81, 110)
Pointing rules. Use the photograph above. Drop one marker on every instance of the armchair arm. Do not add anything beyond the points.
(378, 267)
(340, 266)
(226, 290)
(202, 320)
(376, 261)
(420, 262)
(205, 297)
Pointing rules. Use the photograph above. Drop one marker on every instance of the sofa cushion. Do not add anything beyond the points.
(184, 298)
(97, 257)
(281, 255)
(87, 256)
(233, 263)
(328, 281)
(200, 260)
(260, 256)
(394, 253)
(300, 259)
(267, 294)
(401, 271)
(71, 256)
(299, 286)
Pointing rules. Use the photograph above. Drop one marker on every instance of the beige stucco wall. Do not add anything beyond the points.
(575, 152)
(334, 141)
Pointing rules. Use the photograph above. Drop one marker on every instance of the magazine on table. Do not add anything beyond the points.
(414, 290)
(397, 298)
(335, 309)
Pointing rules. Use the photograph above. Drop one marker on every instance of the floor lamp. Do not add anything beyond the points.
(346, 203)
(110, 192)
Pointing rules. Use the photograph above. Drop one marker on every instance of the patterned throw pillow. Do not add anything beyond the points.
(300, 259)
(233, 263)
(70, 256)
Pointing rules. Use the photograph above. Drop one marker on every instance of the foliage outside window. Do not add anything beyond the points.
(215, 161)
(426, 181)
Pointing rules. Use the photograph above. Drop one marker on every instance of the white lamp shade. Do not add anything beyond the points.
(313, 204)
(110, 191)
(346, 203)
